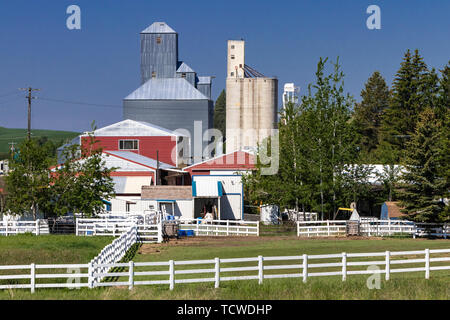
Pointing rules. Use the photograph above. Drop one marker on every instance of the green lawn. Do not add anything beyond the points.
(50, 249)
(401, 285)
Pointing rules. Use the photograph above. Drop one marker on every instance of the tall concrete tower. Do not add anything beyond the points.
(252, 109)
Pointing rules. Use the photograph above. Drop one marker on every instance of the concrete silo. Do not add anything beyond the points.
(252, 109)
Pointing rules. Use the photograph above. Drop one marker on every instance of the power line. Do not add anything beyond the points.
(108, 105)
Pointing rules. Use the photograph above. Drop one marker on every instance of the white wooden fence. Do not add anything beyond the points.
(112, 253)
(102, 227)
(372, 228)
(203, 227)
(147, 233)
(10, 227)
(150, 233)
(231, 269)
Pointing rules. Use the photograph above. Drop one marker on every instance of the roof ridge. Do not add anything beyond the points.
(166, 89)
(158, 27)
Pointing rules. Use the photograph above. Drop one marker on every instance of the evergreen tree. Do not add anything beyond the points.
(414, 89)
(220, 113)
(368, 113)
(422, 186)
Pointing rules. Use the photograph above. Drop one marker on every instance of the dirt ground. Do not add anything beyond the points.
(155, 248)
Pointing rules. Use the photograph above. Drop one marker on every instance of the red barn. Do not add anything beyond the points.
(142, 138)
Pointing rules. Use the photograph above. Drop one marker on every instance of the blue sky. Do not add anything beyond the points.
(99, 64)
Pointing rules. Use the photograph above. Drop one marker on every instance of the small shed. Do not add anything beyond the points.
(391, 210)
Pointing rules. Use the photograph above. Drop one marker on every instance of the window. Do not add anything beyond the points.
(183, 75)
(154, 74)
(232, 46)
(128, 145)
(232, 56)
(158, 40)
(232, 74)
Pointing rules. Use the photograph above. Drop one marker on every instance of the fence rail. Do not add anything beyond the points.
(11, 227)
(372, 228)
(219, 270)
(112, 253)
(202, 227)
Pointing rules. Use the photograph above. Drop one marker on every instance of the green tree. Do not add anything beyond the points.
(316, 141)
(368, 114)
(415, 87)
(82, 182)
(422, 186)
(28, 180)
(389, 178)
(220, 113)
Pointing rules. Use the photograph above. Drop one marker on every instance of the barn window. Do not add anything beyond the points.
(232, 46)
(128, 145)
(232, 56)
(154, 74)
(183, 75)
(158, 40)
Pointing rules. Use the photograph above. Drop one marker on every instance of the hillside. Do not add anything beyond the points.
(8, 135)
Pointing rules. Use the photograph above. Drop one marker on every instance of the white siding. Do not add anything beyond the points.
(231, 207)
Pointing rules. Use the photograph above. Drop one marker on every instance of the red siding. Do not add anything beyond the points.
(147, 146)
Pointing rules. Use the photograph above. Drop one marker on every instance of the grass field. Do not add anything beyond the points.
(8, 135)
(401, 286)
(50, 249)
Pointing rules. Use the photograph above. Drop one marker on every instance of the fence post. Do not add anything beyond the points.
(76, 226)
(344, 266)
(260, 270)
(33, 277)
(160, 238)
(217, 282)
(298, 229)
(328, 227)
(389, 227)
(37, 227)
(90, 276)
(257, 229)
(7, 223)
(388, 265)
(171, 274)
(228, 227)
(131, 275)
(427, 263)
(305, 268)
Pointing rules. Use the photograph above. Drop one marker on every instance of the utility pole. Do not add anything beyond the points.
(29, 97)
(12, 148)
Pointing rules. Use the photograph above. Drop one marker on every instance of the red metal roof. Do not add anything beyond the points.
(238, 160)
